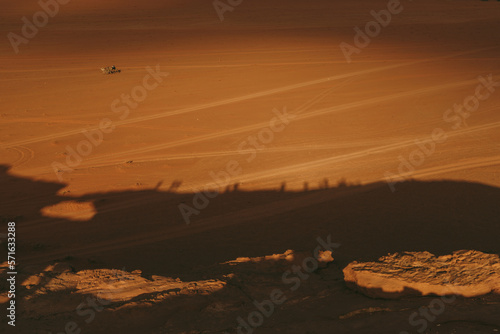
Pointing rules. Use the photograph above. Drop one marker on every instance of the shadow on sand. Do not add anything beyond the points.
(145, 229)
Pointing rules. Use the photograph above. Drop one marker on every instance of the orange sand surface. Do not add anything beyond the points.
(379, 153)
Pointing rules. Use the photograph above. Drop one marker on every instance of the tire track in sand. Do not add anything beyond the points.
(355, 155)
(343, 107)
(238, 99)
(255, 214)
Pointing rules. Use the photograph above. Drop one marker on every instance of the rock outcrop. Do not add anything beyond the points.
(466, 273)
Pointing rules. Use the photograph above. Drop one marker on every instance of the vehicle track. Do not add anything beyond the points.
(238, 99)
(25, 154)
(294, 169)
(335, 109)
(453, 167)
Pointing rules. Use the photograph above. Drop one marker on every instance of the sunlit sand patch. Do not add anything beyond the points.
(71, 210)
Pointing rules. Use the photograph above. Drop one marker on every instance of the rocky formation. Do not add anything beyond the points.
(466, 273)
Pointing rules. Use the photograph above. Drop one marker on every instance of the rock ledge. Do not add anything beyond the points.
(467, 273)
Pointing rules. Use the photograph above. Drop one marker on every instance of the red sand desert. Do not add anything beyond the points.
(222, 181)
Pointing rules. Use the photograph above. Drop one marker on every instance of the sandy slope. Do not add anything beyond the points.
(355, 121)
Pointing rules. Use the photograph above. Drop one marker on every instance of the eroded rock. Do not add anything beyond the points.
(466, 273)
